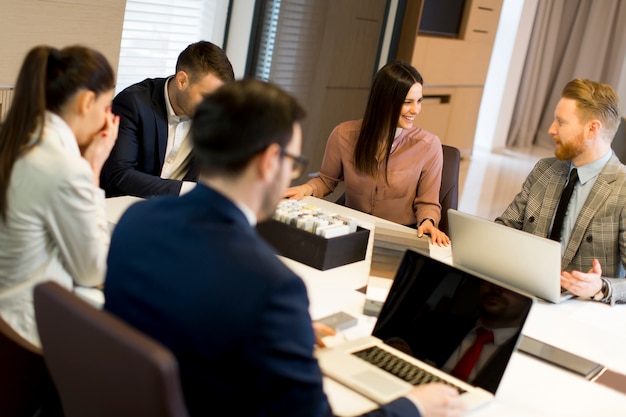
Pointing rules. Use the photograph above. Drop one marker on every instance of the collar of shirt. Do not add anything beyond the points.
(172, 117)
(58, 130)
(247, 211)
(592, 169)
(396, 139)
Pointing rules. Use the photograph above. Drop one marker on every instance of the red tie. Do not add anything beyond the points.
(465, 365)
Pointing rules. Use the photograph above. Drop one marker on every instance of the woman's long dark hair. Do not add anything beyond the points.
(49, 77)
(389, 89)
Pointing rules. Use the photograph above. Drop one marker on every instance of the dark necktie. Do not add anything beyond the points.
(557, 226)
(467, 362)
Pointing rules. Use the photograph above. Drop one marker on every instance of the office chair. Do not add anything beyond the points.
(449, 192)
(619, 142)
(101, 366)
(24, 380)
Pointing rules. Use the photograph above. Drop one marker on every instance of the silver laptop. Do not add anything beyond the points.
(430, 309)
(521, 259)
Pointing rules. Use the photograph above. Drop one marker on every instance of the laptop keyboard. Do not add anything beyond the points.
(399, 367)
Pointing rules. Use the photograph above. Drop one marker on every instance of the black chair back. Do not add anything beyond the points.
(449, 192)
(619, 142)
(24, 381)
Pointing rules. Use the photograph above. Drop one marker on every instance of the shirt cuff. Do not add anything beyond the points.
(186, 187)
(428, 218)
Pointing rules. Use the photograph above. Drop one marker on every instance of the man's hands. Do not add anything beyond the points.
(583, 284)
(438, 400)
(321, 330)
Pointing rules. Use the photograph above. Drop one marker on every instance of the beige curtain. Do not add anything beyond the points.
(571, 39)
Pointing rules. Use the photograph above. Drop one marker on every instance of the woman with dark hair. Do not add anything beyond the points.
(391, 168)
(53, 143)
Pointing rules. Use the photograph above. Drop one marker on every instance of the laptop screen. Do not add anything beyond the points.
(434, 312)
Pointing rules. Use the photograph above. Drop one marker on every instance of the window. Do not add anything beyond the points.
(156, 31)
(323, 52)
(289, 42)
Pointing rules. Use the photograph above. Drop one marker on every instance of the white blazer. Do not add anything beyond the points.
(56, 226)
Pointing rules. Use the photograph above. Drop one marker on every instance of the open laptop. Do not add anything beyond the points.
(521, 259)
(430, 308)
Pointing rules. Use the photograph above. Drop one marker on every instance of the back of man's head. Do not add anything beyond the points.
(202, 58)
(240, 120)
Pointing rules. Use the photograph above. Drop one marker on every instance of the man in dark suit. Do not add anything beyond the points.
(593, 233)
(152, 154)
(204, 283)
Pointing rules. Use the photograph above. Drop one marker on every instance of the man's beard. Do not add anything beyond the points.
(571, 149)
(271, 198)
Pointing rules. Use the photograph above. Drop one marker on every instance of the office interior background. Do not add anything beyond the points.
(492, 69)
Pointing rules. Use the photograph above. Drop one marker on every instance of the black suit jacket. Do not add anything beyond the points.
(134, 166)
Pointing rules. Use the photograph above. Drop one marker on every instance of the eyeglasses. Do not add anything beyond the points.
(299, 163)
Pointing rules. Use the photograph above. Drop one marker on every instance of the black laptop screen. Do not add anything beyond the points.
(434, 311)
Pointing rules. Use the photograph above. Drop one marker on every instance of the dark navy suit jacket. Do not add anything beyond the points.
(191, 272)
(134, 166)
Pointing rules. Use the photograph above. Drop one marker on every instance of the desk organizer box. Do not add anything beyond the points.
(311, 249)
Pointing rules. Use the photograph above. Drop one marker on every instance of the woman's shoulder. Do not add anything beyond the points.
(349, 126)
(346, 132)
(53, 165)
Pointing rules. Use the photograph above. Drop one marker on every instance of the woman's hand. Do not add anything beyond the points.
(298, 192)
(98, 150)
(438, 237)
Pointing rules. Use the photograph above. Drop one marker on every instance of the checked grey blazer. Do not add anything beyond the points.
(600, 229)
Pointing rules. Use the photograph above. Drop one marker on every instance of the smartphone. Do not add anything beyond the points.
(339, 321)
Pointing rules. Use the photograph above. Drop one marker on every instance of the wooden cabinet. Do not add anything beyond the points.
(454, 70)
(451, 113)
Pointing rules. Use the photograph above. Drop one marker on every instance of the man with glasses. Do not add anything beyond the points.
(201, 280)
(299, 163)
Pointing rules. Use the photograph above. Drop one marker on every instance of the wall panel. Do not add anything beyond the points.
(27, 23)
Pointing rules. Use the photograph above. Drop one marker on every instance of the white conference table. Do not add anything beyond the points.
(530, 387)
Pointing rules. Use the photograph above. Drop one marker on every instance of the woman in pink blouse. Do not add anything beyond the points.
(391, 168)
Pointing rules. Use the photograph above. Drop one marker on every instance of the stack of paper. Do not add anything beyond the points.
(390, 243)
